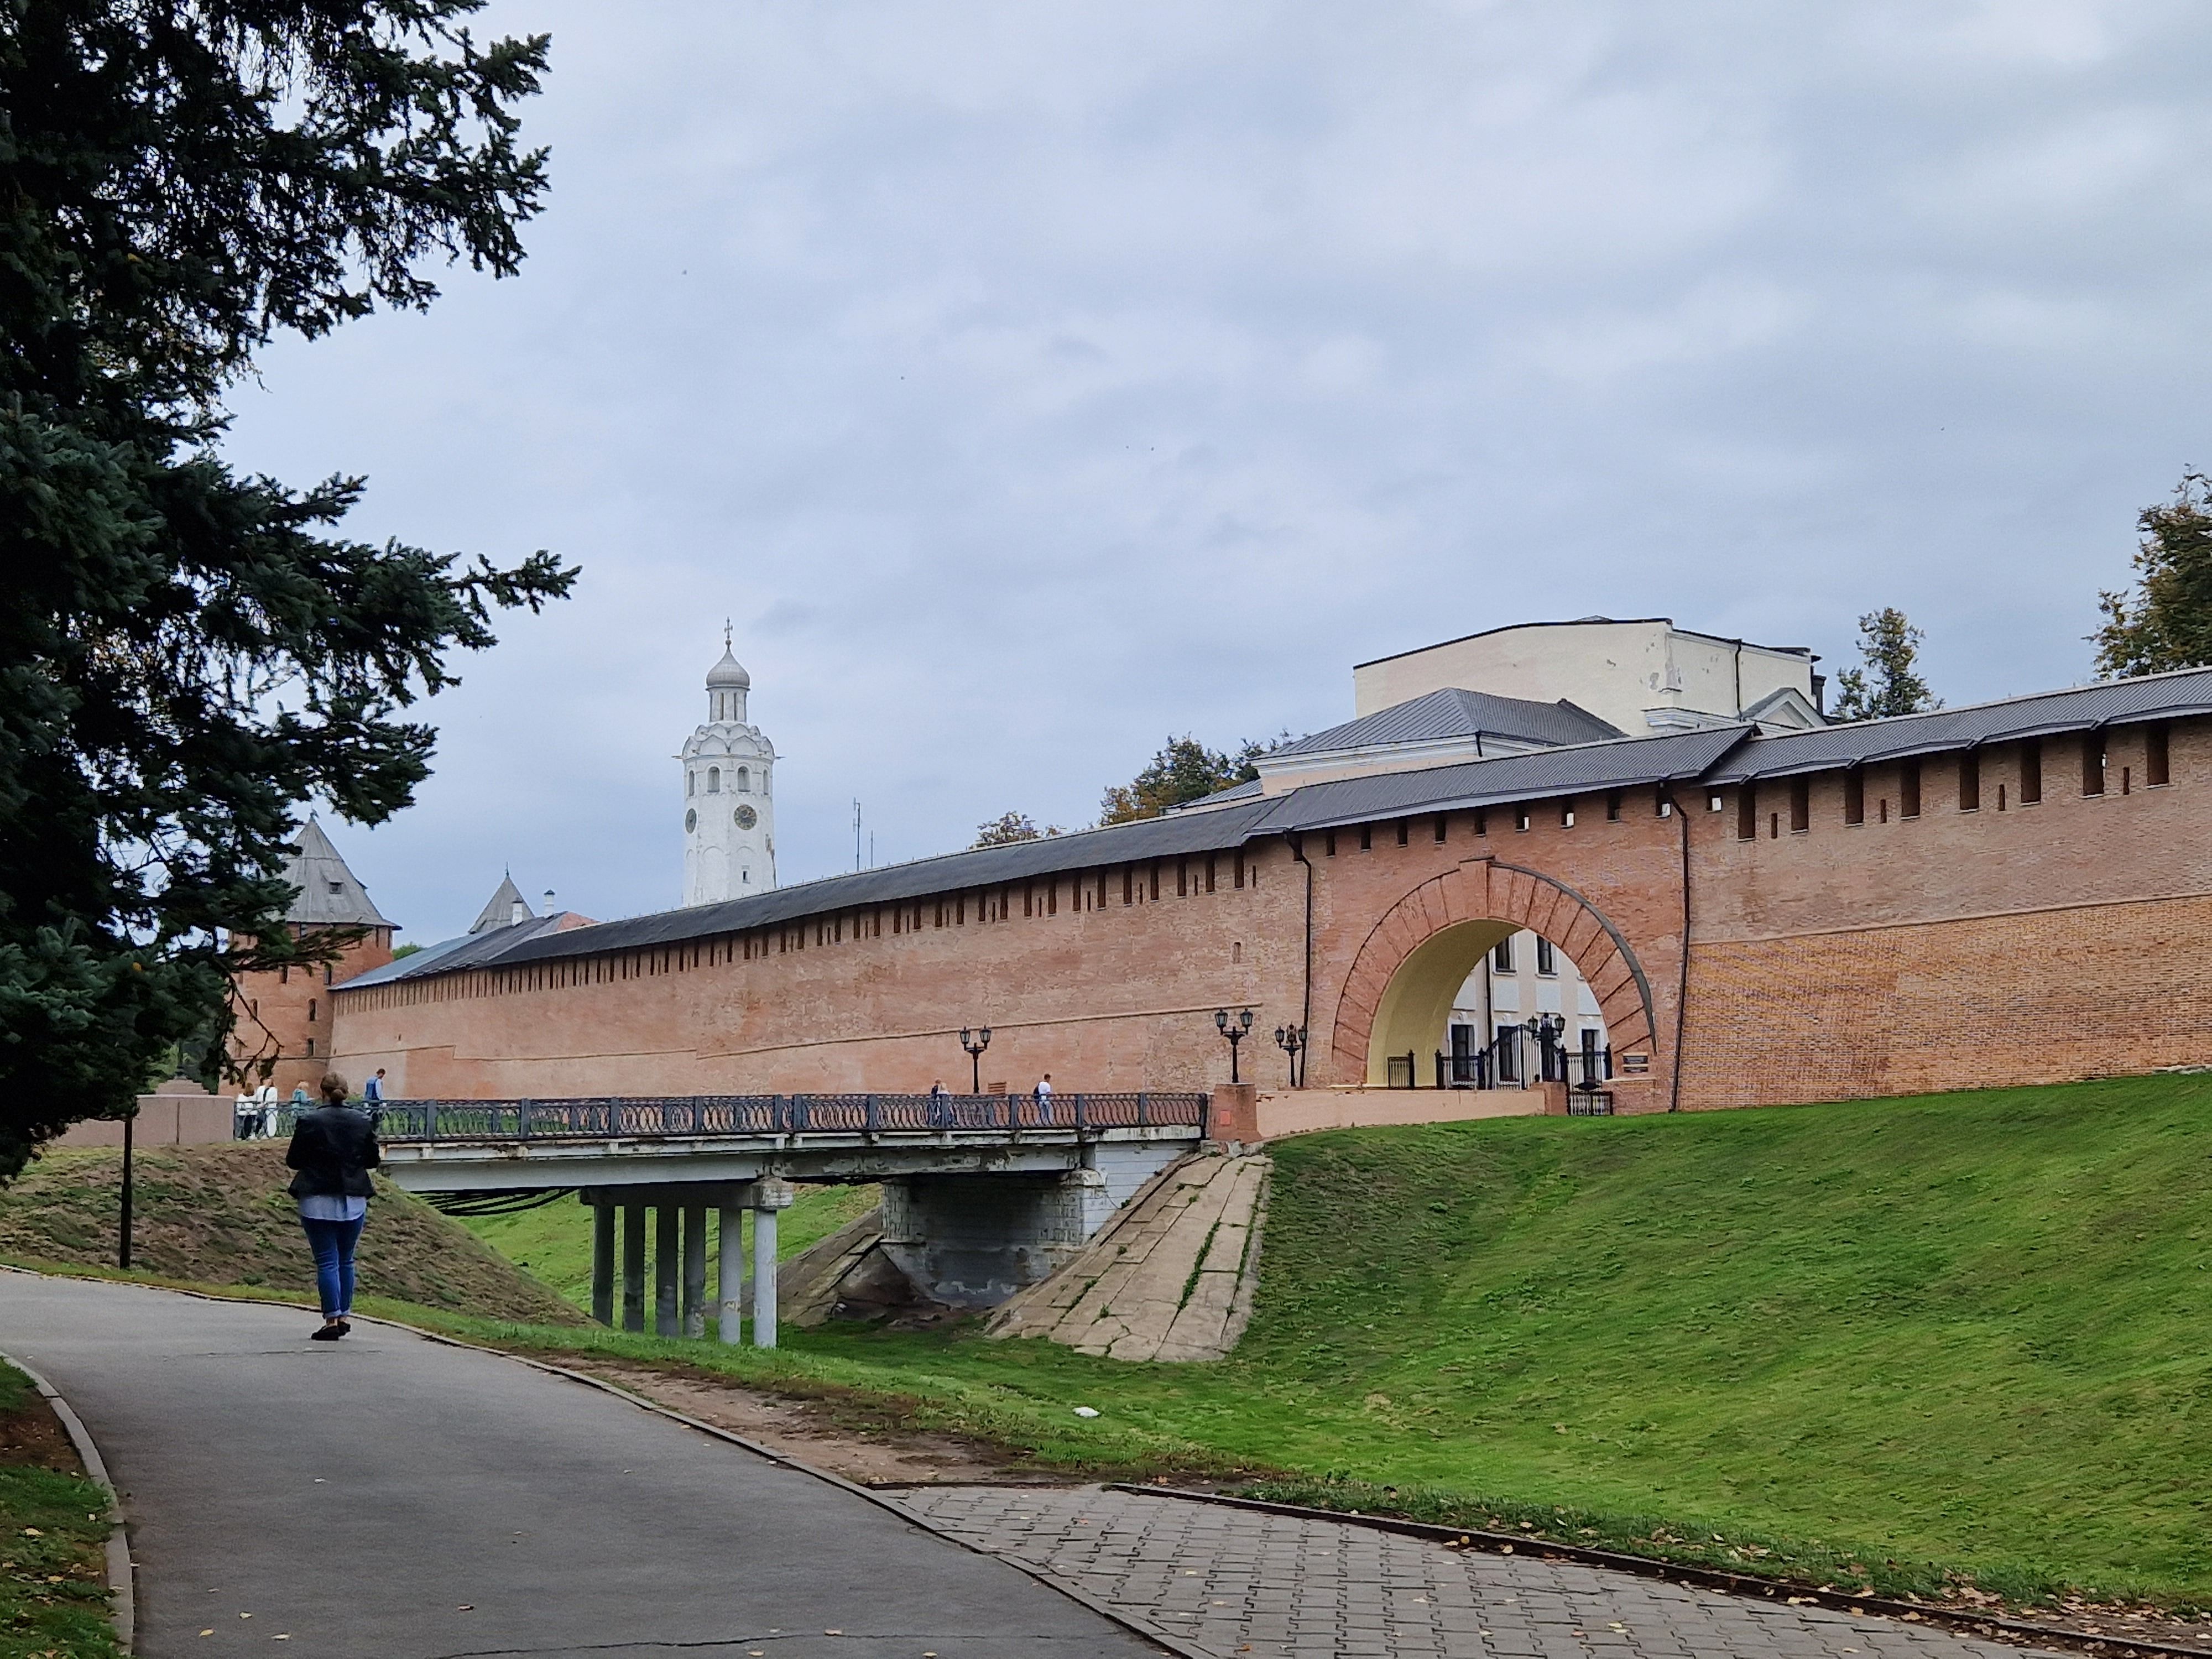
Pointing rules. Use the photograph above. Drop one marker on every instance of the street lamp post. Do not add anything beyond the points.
(1548, 1030)
(1291, 1039)
(1236, 1030)
(974, 1043)
(123, 1232)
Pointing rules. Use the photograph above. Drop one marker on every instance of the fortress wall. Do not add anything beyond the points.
(2039, 942)
(1107, 996)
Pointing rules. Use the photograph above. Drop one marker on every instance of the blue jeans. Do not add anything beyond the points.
(332, 1243)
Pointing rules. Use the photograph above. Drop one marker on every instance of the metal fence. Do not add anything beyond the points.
(779, 1114)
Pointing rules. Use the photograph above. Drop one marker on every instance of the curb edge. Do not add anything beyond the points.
(123, 1600)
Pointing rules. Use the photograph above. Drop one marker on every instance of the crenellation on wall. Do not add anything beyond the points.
(1823, 958)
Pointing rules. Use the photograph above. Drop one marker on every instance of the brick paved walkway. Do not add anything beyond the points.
(1246, 1585)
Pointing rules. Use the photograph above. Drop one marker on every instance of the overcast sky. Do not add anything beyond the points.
(1028, 382)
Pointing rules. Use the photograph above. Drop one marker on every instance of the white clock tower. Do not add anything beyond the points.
(729, 812)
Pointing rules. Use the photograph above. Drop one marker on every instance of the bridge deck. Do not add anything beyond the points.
(460, 1146)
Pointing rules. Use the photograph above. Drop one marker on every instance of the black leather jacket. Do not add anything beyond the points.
(333, 1148)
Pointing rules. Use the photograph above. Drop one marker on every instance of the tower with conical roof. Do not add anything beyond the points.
(729, 804)
(283, 1026)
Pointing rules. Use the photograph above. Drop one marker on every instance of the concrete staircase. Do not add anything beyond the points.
(1169, 1278)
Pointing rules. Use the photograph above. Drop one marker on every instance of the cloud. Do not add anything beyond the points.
(1030, 383)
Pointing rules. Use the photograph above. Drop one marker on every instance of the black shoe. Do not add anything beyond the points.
(327, 1333)
(345, 1326)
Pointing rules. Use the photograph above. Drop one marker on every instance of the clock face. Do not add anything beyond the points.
(747, 817)
(690, 822)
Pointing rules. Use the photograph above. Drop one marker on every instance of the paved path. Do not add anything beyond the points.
(392, 1498)
(1247, 1585)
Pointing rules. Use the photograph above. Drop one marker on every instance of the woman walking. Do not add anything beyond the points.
(333, 1148)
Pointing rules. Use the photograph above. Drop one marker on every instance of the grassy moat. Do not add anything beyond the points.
(1877, 1343)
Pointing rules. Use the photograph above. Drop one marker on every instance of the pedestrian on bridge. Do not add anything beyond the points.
(1042, 1093)
(333, 1149)
(940, 1105)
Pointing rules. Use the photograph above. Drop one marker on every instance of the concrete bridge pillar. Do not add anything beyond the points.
(679, 1212)
(730, 1318)
(665, 1254)
(603, 1263)
(769, 1197)
(633, 1257)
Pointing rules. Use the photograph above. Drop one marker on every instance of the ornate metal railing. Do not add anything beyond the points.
(691, 1115)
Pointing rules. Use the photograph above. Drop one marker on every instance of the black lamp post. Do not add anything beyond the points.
(1236, 1030)
(1548, 1030)
(123, 1230)
(1291, 1039)
(974, 1043)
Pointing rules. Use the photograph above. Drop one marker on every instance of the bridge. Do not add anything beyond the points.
(982, 1194)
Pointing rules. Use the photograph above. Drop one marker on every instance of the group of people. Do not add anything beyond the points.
(261, 1112)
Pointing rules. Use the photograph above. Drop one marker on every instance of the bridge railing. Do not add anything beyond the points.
(694, 1115)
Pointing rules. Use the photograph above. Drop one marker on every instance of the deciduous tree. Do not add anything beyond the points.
(188, 654)
(1184, 770)
(2167, 621)
(1012, 827)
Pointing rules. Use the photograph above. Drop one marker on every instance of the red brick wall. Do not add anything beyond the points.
(2028, 944)
(1105, 998)
(2011, 944)
(288, 1017)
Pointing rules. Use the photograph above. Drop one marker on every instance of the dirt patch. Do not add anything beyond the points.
(219, 1215)
(32, 1437)
(864, 1442)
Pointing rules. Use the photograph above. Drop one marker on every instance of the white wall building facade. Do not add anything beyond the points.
(1524, 977)
(729, 804)
(1644, 675)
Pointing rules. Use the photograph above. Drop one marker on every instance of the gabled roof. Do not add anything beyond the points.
(1533, 775)
(1453, 713)
(499, 908)
(329, 894)
(1861, 742)
(469, 951)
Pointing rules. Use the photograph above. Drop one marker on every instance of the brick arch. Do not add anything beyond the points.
(1487, 890)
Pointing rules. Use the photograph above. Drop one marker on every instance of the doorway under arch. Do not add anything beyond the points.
(1397, 998)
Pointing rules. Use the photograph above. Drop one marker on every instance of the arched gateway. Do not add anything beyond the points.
(1398, 995)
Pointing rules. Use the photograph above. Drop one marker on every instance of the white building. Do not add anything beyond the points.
(1641, 675)
(729, 806)
(1526, 977)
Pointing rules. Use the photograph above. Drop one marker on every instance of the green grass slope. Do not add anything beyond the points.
(554, 1242)
(1968, 1329)
(219, 1216)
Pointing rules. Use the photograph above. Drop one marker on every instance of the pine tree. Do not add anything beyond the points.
(1890, 683)
(188, 655)
(2166, 622)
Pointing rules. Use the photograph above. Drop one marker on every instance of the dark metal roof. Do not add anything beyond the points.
(1453, 713)
(1717, 755)
(470, 950)
(327, 893)
(2161, 696)
(1537, 774)
(499, 908)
